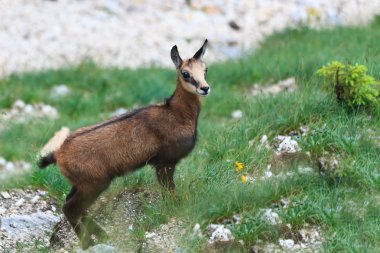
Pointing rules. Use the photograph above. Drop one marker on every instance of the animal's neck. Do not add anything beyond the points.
(185, 104)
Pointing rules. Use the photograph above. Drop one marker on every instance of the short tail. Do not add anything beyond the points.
(46, 160)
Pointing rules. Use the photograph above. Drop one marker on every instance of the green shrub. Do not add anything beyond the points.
(351, 83)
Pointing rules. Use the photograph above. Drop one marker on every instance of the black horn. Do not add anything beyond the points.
(174, 54)
(198, 55)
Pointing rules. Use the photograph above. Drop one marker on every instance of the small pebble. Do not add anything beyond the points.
(286, 244)
(237, 114)
(268, 174)
(149, 235)
(20, 202)
(35, 199)
(305, 170)
(197, 230)
(60, 90)
(5, 195)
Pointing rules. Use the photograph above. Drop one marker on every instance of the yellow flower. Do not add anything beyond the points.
(243, 179)
(239, 166)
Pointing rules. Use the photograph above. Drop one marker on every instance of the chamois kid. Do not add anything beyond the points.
(159, 135)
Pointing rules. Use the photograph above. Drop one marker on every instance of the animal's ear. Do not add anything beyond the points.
(175, 57)
(198, 55)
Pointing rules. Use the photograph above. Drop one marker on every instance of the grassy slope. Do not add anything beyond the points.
(208, 186)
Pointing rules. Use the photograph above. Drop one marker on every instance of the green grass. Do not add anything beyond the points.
(208, 187)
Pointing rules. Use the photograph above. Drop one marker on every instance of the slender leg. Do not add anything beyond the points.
(165, 174)
(71, 193)
(54, 239)
(75, 208)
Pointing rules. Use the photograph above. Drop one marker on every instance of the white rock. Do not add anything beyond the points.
(296, 247)
(42, 193)
(236, 218)
(289, 174)
(303, 130)
(21, 112)
(119, 111)
(20, 202)
(237, 114)
(268, 174)
(60, 90)
(280, 138)
(28, 109)
(19, 105)
(35, 199)
(26, 166)
(219, 234)
(5, 195)
(271, 217)
(99, 248)
(3, 162)
(197, 230)
(26, 227)
(264, 141)
(287, 145)
(149, 235)
(288, 85)
(305, 170)
(284, 202)
(9, 166)
(286, 244)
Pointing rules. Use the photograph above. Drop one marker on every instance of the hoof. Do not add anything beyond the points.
(87, 242)
(94, 229)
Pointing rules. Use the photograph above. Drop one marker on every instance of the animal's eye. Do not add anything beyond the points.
(206, 70)
(185, 74)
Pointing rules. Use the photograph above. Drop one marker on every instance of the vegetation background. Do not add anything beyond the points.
(343, 203)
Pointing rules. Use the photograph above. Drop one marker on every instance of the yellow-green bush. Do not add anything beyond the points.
(351, 83)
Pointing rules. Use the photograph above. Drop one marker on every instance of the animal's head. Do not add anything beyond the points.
(192, 72)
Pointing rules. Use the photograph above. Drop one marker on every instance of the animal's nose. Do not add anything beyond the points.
(205, 89)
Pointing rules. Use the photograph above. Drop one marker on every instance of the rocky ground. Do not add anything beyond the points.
(27, 217)
(36, 34)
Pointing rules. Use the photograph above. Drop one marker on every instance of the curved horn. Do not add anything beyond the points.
(199, 54)
(174, 54)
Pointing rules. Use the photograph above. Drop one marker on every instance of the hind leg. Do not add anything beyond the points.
(91, 226)
(54, 239)
(76, 204)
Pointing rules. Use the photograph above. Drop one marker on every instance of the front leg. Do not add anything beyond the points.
(165, 174)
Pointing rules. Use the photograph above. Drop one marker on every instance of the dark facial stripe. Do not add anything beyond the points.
(193, 82)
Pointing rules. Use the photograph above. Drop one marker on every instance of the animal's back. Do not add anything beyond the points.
(103, 151)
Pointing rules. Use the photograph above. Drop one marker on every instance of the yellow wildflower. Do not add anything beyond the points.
(239, 166)
(243, 179)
